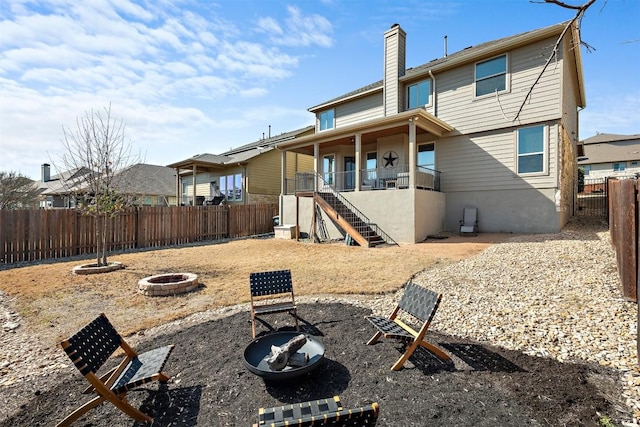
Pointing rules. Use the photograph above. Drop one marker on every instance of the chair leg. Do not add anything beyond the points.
(435, 350)
(124, 406)
(374, 338)
(295, 316)
(398, 365)
(253, 326)
(81, 411)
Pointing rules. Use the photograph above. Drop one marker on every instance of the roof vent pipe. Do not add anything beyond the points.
(445, 46)
(269, 131)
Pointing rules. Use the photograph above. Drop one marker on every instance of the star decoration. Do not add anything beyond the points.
(390, 159)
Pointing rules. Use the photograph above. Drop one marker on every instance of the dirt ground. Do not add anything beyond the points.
(483, 386)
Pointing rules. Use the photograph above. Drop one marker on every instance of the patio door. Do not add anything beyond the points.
(349, 173)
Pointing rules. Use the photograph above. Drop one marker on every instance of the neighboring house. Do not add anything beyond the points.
(411, 151)
(148, 185)
(608, 155)
(54, 189)
(245, 175)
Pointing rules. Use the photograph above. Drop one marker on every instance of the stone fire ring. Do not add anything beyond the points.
(168, 284)
(95, 269)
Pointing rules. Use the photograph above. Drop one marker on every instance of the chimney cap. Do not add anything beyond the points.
(395, 25)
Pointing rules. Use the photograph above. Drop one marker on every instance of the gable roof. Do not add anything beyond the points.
(57, 183)
(610, 137)
(140, 178)
(610, 148)
(467, 55)
(242, 153)
(148, 180)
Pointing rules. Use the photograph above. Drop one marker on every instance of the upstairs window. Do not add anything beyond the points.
(419, 94)
(586, 169)
(491, 75)
(326, 119)
(531, 150)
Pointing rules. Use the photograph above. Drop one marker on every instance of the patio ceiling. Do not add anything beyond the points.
(370, 131)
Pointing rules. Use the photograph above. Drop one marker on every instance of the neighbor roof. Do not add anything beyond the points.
(610, 148)
(148, 180)
(242, 153)
(610, 137)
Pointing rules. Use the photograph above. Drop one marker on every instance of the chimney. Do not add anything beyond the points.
(394, 67)
(46, 172)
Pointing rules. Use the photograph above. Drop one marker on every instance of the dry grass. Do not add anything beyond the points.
(55, 303)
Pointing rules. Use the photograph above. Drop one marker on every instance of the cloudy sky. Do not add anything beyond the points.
(189, 76)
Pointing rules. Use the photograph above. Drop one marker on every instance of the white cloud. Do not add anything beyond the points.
(298, 30)
(617, 113)
(173, 70)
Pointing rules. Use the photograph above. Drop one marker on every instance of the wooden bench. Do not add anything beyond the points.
(316, 413)
(266, 286)
(420, 303)
(90, 348)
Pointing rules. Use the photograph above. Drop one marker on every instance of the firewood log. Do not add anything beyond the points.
(280, 355)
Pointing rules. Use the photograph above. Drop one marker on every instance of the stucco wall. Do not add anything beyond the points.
(408, 216)
(506, 211)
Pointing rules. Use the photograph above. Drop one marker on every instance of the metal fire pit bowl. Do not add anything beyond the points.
(258, 350)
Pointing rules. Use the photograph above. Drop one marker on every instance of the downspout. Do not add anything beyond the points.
(435, 94)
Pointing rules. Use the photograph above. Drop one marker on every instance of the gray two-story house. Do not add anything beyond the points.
(494, 126)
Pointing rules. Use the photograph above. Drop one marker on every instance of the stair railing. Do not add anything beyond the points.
(328, 188)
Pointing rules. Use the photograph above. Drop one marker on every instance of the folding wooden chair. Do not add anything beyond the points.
(420, 303)
(90, 348)
(318, 413)
(266, 287)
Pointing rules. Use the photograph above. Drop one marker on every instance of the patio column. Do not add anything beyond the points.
(283, 184)
(178, 189)
(412, 152)
(358, 141)
(193, 190)
(283, 173)
(316, 165)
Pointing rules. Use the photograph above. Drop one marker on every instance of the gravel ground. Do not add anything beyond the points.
(553, 297)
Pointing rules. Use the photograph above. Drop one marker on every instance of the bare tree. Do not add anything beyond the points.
(99, 149)
(580, 10)
(17, 191)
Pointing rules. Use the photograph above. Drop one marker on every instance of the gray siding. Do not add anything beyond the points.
(488, 162)
(362, 109)
(456, 93)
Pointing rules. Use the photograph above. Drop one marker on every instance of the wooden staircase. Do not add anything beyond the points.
(362, 232)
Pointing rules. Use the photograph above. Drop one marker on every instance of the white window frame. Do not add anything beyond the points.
(428, 104)
(326, 173)
(237, 192)
(434, 154)
(507, 77)
(619, 169)
(321, 120)
(545, 151)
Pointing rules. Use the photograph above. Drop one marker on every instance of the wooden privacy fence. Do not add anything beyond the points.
(623, 228)
(37, 234)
